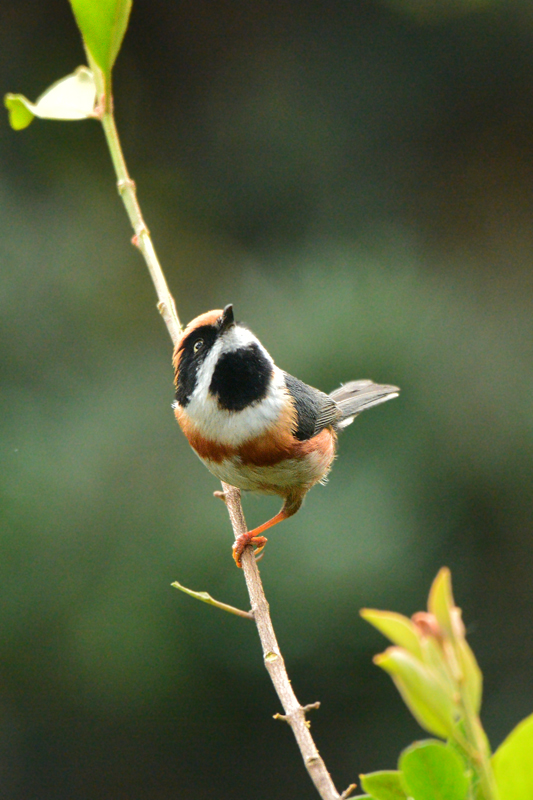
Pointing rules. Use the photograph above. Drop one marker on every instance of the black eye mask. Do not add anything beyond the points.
(191, 361)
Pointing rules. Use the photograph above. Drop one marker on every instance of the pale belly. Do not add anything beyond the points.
(274, 479)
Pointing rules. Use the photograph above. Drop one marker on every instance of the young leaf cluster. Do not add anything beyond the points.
(440, 681)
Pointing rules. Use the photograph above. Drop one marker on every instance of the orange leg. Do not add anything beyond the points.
(290, 507)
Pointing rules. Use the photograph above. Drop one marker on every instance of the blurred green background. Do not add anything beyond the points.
(357, 178)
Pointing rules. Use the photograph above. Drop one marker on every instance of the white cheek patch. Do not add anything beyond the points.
(238, 337)
(205, 375)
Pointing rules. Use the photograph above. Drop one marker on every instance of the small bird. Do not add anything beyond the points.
(253, 425)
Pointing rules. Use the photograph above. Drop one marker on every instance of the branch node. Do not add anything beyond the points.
(271, 656)
(99, 109)
(283, 717)
(136, 238)
(124, 184)
(311, 706)
(347, 792)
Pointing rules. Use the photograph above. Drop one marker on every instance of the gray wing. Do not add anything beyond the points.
(316, 410)
(357, 396)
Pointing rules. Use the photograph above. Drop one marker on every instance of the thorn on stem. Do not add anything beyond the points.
(347, 792)
(304, 709)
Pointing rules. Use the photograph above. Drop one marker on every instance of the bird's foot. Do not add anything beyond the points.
(243, 541)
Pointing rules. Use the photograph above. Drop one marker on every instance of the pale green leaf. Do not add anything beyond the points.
(472, 675)
(427, 697)
(70, 98)
(399, 629)
(513, 763)
(440, 602)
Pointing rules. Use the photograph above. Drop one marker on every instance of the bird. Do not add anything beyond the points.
(253, 425)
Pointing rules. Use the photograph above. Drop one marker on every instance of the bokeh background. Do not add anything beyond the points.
(356, 176)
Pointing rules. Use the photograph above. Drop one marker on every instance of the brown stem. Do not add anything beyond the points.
(294, 712)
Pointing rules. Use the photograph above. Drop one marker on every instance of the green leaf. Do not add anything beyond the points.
(70, 98)
(433, 771)
(428, 698)
(20, 113)
(399, 629)
(513, 763)
(102, 24)
(472, 675)
(384, 785)
(440, 602)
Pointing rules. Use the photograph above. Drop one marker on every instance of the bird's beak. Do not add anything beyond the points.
(226, 320)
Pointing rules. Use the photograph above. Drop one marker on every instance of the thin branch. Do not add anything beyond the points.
(206, 598)
(127, 190)
(294, 712)
(347, 792)
(274, 663)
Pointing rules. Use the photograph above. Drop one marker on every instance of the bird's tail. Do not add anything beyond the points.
(357, 396)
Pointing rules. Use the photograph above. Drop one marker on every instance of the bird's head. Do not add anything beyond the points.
(217, 359)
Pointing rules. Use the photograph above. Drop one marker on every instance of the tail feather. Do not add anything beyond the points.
(356, 396)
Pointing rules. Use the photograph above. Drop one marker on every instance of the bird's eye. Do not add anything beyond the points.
(197, 346)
